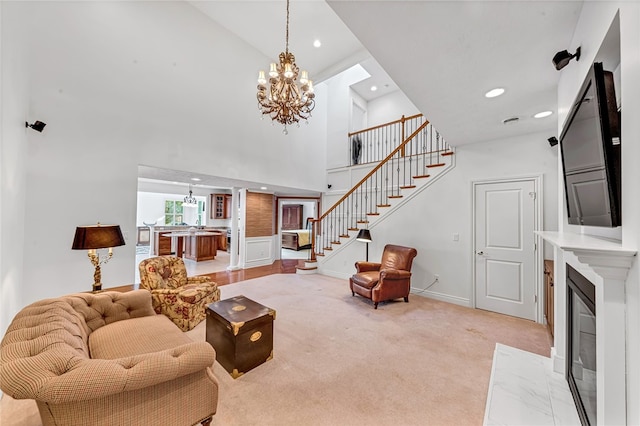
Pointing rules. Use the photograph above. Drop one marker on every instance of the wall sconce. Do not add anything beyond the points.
(365, 236)
(38, 126)
(94, 237)
(562, 58)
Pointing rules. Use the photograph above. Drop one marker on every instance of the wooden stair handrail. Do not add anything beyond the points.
(375, 169)
(400, 120)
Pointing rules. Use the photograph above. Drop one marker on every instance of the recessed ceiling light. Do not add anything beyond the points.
(196, 179)
(317, 43)
(263, 187)
(494, 92)
(543, 114)
(374, 88)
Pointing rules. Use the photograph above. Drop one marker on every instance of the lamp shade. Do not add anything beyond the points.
(364, 235)
(97, 236)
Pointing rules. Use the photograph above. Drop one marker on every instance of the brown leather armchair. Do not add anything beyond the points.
(387, 280)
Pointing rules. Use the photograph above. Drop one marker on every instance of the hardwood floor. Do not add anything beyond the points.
(284, 266)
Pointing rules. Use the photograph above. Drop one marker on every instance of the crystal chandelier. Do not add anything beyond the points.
(282, 99)
(190, 200)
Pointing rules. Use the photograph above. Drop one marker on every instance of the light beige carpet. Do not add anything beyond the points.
(337, 361)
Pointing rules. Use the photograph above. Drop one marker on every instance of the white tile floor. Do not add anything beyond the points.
(524, 390)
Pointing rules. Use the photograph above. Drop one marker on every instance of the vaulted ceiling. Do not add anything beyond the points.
(444, 55)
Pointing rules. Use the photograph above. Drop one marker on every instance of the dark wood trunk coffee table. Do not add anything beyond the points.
(241, 332)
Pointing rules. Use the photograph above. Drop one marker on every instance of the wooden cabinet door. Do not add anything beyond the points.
(549, 300)
(292, 216)
(162, 245)
(217, 206)
(220, 206)
(222, 242)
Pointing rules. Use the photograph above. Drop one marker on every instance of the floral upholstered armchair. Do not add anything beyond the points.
(183, 299)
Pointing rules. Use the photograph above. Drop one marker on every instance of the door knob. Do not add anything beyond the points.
(480, 252)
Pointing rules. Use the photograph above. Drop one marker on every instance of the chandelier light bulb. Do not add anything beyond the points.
(273, 72)
(288, 72)
(304, 77)
(261, 78)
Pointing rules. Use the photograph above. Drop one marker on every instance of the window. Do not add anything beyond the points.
(200, 213)
(173, 214)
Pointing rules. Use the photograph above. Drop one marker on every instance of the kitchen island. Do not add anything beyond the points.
(198, 246)
(164, 245)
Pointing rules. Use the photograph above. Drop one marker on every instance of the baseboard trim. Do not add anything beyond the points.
(442, 297)
(559, 363)
(334, 274)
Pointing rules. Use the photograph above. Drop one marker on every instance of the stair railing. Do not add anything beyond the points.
(408, 161)
(375, 143)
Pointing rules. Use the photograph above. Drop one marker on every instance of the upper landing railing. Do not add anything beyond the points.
(375, 143)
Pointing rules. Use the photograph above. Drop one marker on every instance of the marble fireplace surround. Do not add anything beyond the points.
(606, 264)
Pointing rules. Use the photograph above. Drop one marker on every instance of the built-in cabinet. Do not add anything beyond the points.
(548, 281)
(220, 206)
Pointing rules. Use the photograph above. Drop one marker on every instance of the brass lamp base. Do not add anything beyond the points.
(97, 274)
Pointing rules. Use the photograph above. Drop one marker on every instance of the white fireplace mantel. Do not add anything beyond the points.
(596, 252)
(606, 263)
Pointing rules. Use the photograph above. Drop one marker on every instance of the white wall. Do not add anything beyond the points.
(594, 22)
(338, 115)
(128, 83)
(14, 139)
(445, 208)
(390, 107)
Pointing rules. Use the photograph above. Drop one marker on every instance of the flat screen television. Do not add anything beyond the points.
(590, 146)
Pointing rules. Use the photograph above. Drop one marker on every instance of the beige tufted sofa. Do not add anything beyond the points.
(107, 359)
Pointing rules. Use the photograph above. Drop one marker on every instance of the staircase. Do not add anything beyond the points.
(402, 166)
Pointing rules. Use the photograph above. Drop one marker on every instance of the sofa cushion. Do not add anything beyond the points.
(135, 336)
(367, 279)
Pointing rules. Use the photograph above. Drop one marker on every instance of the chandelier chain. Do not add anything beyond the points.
(286, 34)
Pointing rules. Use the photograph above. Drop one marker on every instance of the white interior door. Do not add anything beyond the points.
(505, 253)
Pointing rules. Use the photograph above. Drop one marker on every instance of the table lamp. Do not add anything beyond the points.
(365, 236)
(94, 237)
